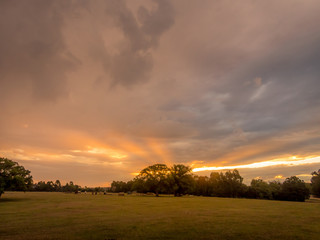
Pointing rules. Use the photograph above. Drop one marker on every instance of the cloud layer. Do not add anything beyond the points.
(112, 86)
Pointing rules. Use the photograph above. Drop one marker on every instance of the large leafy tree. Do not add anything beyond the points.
(57, 186)
(119, 186)
(231, 184)
(294, 189)
(216, 186)
(201, 185)
(13, 176)
(154, 178)
(260, 189)
(275, 188)
(180, 179)
(315, 183)
(71, 187)
(228, 184)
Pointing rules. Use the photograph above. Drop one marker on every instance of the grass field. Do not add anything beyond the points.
(71, 216)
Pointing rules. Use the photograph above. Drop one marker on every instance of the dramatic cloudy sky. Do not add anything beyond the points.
(94, 91)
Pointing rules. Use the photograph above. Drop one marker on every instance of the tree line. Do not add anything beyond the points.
(14, 177)
(56, 186)
(177, 180)
(69, 187)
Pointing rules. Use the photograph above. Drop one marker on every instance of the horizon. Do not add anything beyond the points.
(95, 91)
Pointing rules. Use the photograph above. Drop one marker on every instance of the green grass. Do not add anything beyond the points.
(71, 216)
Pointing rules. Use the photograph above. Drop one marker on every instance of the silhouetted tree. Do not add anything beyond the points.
(43, 186)
(180, 179)
(13, 176)
(315, 183)
(129, 187)
(57, 186)
(275, 188)
(201, 186)
(216, 188)
(232, 185)
(70, 187)
(155, 178)
(138, 184)
(260, 189)
(119, 186)
(294, 189)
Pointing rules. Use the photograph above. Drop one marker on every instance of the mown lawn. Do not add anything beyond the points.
(71, 216)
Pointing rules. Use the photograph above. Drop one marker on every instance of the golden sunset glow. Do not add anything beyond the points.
(279, 177)
(160, 152)
(271, 163)
(108, 152)
(135, 173)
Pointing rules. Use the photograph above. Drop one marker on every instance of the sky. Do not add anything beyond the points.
(95, 91)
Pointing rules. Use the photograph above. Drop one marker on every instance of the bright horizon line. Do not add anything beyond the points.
(262, 164)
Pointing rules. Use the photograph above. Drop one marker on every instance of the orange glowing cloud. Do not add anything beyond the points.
(279, 177)
(103, 151)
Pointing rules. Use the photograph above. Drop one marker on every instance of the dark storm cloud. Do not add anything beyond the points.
(134, 61)
(259, 78)
(35, 55)
(32, 48)
(283, 53)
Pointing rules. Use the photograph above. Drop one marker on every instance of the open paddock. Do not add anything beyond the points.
(35, 215)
